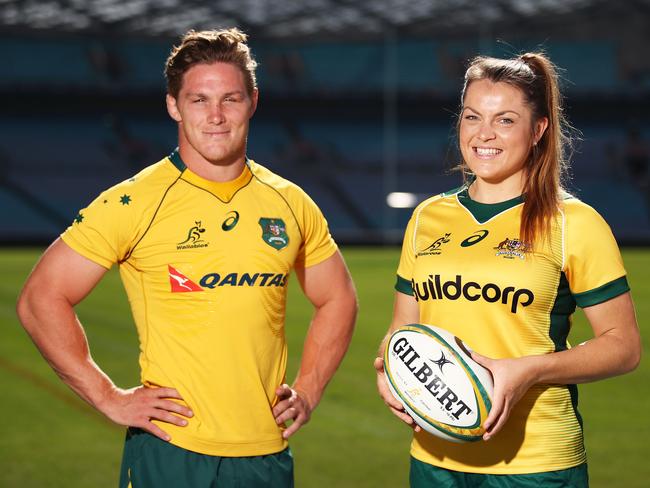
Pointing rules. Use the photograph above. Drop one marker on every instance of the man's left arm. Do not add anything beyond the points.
(329, 287)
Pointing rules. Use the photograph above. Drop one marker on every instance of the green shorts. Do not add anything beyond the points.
(425, 475)
(149, 462)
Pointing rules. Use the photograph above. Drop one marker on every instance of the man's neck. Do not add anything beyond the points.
(220, 172)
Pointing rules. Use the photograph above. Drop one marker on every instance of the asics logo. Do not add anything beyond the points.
(475, 238)
(231, 221)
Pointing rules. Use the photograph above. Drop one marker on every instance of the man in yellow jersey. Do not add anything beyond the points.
(205, 241)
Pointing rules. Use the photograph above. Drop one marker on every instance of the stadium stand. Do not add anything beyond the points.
(320, 123)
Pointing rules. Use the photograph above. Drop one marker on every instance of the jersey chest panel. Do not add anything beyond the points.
(471, 278)
(202, 233)
(203, 261)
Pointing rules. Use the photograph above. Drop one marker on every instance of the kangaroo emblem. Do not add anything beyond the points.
(194, 234)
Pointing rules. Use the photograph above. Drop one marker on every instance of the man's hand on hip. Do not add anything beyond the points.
(292, 405)
(137, 407)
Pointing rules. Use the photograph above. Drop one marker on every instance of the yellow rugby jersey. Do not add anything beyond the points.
(470, 274)
(205, 267)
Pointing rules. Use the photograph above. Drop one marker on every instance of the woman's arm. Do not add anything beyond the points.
(615, 349)
(405, 311)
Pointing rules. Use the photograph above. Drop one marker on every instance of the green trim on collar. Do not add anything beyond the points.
(454, 191)
(176, 160)
(485, 211)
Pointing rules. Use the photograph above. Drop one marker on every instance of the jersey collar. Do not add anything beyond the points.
(222, 190)
(176, 160)
(483, 212)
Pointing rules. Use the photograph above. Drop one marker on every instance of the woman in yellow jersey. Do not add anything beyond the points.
(511, 224)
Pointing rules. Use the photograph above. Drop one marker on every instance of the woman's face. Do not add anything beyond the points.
(497, 132)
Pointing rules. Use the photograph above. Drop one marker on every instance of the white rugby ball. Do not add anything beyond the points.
(430, 371)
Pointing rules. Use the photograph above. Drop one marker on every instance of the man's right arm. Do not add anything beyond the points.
(60, 280)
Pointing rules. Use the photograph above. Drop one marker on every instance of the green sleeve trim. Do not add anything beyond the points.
(602, 293)
(404, 286)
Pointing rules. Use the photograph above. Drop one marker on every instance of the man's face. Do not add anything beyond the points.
(212, 110)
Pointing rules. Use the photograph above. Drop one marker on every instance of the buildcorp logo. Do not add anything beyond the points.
(434, 288)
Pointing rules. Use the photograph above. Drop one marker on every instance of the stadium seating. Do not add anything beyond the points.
(339, 160)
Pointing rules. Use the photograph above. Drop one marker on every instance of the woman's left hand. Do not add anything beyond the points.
(512, 379)
(615, 349)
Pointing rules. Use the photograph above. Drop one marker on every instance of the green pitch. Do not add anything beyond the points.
(50, 438)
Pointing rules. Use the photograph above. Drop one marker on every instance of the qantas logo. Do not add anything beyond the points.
(182, 284)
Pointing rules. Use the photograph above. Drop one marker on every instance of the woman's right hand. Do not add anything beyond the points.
(396, 407)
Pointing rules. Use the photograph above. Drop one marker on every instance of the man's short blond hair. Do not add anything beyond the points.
(207, 47)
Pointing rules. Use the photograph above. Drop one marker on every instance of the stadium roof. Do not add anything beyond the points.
(291, 19)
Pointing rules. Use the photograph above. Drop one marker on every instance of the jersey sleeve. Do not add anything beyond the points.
(103, 231)
(317, 242)
(407, 260)
(593, 263)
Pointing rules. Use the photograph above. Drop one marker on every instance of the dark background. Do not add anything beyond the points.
(357, 99)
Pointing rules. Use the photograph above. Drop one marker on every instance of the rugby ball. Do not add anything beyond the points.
(431, 372)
